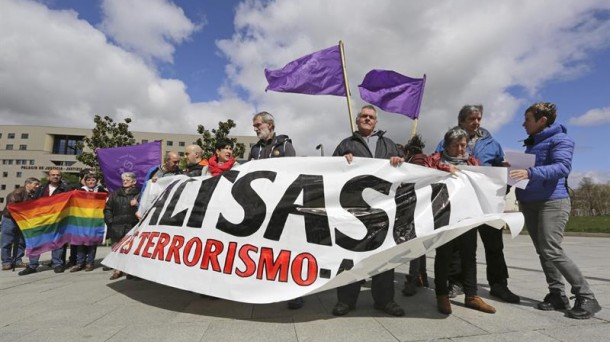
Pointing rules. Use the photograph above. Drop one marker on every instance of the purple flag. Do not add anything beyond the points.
(136, 158)
(393, 92)
(320, 73)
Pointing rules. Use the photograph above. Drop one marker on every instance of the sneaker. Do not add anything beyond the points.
(455, 290)
(477, 303)
(26, 271)
(554, 301)
(391, 308)
(443, 305)
(59, 269)
(341, 309)
(584, 308)
(295, 304)
(501, 291)
(7, 267)
(410, 288)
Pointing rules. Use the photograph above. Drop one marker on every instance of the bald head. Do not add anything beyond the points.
(193, 153)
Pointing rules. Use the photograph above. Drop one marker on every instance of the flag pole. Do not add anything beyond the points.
(421, 98)
(347, 92)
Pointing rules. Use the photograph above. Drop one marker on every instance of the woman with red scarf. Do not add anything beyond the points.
(222, 160)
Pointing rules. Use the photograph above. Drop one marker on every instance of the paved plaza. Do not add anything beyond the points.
(86, 306)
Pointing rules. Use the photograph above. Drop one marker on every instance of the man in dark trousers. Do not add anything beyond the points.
(54, 186)
(369, 143)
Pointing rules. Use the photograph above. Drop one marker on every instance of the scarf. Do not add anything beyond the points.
(463, 160)
(216, 169)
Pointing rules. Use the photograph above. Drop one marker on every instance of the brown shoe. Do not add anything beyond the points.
(475, 302)
(76, 268)
(443, 305)
(88, 268)
(7, 267)
(116, 275)
(21, 265)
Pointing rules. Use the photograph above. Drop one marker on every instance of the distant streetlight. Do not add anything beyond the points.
(321, 148)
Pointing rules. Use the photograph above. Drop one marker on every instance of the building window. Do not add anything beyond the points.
(19, 174)
(18, 162)
(16, 186)
(10, 161)
(181, 154)
(3, 187)
(0, 135)
(1, 198)
(4, 174)
(11, 136)
(169, 143)
(181, 144)
(144, 141)
(9, 146)
(25, 136)
(31, 161)
(66, 144)
(23, 147)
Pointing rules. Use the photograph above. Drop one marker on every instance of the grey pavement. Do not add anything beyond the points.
(86, 306)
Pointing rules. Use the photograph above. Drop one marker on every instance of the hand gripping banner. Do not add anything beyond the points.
(276, 229)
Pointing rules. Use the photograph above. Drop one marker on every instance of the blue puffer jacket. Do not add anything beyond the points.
(547, 179)
(487, 150)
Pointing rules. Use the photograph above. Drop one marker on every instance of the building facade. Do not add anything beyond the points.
(30, 151)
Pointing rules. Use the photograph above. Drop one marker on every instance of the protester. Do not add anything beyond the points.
(488, 151)
(13, 242)
(195, 161)
(54, 186)
(455, 153)
(418, 276)
(120, 212)
(85, 255)
(170, 167)
(222, 160)
(270, 145)
(369, 143)
(545, 204)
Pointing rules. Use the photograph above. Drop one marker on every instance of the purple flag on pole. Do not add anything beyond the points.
(320, 73)
(136, 158)
(393, 92)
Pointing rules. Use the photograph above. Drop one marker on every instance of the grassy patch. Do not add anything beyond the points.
(589, 224)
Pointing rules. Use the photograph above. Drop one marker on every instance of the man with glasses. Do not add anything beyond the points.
(270, 145)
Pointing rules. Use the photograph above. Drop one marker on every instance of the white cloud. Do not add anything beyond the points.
(597, 176)
(56, 69)
(471, 51)
(596, 116)
(150, 28)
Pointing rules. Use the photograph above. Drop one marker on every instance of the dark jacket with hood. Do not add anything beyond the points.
(357, 146)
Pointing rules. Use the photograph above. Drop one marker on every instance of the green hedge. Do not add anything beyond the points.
(589, 224)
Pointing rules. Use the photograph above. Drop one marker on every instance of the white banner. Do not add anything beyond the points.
(276, 229)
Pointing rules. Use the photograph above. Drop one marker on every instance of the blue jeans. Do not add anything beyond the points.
(545, 221)
(56, 258)
(85, 255)
(13, 243)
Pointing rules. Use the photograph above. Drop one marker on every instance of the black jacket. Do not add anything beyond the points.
(279, 146)
(356, 145)
(118, 211)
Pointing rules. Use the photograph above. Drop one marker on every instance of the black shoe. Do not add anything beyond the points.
(106, 268)
(295, 304)
(341, 309)
(26, 271)
(501, 291)
(455, 290)
(584, 308)
(554, 301)
(59, 269)
(410, 288)
(391, 308)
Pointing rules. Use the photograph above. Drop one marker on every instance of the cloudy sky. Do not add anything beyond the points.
(171, 65)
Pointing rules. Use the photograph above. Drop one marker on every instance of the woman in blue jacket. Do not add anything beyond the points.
(545, 204)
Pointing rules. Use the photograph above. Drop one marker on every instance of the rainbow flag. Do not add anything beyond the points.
(75, 217)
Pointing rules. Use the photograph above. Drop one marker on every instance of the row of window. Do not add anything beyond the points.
(9, 147)
(167, 143)
(18, 161)
(18, 174)
(3, 187)
(12, 135)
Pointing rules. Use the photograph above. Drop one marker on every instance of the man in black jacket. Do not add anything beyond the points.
(369, 143)
(54, 186)
(270, 145)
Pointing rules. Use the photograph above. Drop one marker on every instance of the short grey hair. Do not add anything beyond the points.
(31, 180)
(266, 117)
(454, 133)
(467, 109)
(129, 175)
(368, 107)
